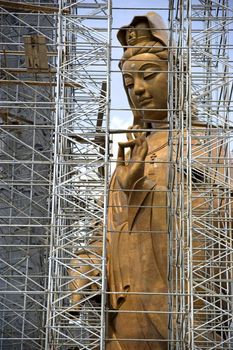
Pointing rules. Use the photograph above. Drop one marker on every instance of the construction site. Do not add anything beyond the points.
(61, 116)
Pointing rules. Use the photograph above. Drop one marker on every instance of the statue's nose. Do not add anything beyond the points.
(139, 87)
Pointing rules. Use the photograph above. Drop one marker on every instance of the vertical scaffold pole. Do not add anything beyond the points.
(77, 274)
(202, 30)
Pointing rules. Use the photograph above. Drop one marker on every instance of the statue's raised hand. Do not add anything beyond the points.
(130, 170)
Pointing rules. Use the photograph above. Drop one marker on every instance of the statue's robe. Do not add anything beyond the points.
(138, 254)
(138, 243)
(137, 250)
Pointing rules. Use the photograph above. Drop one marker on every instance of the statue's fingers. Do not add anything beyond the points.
(129, 135)
(121, 155)
(143, 150)
(140, 150)
(128, 144)
(143, 135)
(141, 138)
(137, 134)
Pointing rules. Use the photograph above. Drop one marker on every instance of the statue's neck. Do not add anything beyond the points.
(159, 125)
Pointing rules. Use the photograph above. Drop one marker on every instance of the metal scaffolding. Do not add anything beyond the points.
(54, 172)
(201, 195)
(54, 150)
(27, 81)
(80, 176)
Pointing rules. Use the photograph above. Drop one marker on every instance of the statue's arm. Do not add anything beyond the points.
(85, 271)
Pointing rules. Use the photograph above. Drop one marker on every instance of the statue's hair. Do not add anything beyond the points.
(153, 47)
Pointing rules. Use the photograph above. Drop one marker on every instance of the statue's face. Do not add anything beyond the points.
(145, 76)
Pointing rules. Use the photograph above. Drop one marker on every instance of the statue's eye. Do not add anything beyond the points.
(149, 74)
(129, 83)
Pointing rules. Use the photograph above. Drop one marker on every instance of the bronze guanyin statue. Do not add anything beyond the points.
(137, 247)
(137, 206)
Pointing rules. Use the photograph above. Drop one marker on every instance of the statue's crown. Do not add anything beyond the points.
(137, 34)
(150, 27)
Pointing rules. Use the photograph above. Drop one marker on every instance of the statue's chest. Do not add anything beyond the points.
(157, 163)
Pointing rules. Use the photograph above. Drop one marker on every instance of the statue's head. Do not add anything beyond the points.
(144, 67)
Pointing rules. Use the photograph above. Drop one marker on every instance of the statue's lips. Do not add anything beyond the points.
(144, 102)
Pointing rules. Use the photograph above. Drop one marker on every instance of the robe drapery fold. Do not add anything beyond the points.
(137, 255)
